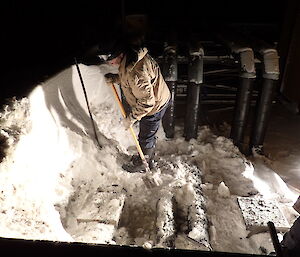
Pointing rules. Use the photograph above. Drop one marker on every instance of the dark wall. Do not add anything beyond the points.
(290, 53)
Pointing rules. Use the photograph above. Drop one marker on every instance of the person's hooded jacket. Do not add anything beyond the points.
(143, 85)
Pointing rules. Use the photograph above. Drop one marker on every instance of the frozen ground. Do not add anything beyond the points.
(57, 184)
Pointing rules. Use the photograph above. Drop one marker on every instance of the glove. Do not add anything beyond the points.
(128, 121)
(111, 78)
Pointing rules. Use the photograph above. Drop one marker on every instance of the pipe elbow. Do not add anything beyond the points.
(196, 52)
(271, 63)
(170, 50)
(170, 69)
(246, 62)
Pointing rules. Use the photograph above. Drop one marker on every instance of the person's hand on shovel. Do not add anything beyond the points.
(128, 122)
(112, 78)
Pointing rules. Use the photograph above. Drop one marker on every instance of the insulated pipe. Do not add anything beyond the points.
(170, 73)
(195, 78)
(264, 103)
(244, 93)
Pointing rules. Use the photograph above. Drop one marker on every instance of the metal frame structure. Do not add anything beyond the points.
(223, 77)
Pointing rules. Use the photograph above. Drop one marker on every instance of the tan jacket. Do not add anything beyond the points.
(143, 85)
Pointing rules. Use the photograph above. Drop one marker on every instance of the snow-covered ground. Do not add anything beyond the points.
(57, 184)
(283, 145)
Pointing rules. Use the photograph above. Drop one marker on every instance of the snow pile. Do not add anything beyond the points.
(14, 123)
(57, 184)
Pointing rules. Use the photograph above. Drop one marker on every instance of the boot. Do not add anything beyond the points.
(136, 164)
(149, 155)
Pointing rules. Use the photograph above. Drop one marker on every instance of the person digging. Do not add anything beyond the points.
(145, 91)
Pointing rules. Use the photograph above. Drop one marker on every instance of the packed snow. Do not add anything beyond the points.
(58, 184)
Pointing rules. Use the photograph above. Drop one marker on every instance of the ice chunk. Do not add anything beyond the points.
(223, 190)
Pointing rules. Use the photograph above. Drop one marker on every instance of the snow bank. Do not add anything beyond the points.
(54, 171)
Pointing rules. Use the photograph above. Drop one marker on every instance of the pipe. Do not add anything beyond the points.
(241, 111)
(170, 73)
(244, 94)
(264, 103)
(247, 77)
(195, 78)
(275, 241)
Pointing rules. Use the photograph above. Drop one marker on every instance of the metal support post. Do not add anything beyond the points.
(195, 78)
(244, 94)
(264, 103)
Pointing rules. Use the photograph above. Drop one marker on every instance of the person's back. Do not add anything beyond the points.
(142, 79)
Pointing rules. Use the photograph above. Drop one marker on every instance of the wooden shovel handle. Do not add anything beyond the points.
(137, 144)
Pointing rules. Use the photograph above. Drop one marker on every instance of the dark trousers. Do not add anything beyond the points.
(149, 126)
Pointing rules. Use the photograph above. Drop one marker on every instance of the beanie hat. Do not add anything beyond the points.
(110, 49)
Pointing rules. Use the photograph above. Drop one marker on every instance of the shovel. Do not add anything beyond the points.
(150, 181)
(137, 144)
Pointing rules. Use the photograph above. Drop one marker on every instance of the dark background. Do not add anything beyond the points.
(39, 38)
